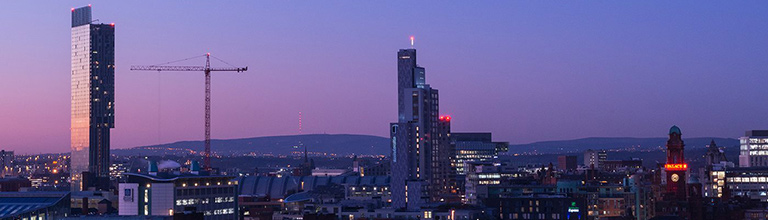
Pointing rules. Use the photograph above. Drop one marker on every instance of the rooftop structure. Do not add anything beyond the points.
(31, 205)
(164, 194)
(278, 187)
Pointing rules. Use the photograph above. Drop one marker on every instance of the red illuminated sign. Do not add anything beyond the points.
(678, 166)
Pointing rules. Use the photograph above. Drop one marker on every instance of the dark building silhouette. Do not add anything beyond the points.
(566, 163)
(714, 155)
(305, 169)
(13, 184)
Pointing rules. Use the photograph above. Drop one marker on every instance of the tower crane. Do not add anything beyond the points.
(207, 70)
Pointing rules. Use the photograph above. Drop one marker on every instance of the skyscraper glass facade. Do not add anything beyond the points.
(92, 95)
(421, 152)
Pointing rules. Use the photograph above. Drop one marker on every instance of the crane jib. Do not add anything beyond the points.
(207, 70)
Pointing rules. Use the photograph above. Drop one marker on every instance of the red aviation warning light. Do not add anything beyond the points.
(411, 41)
(445, 118)
(676, 166)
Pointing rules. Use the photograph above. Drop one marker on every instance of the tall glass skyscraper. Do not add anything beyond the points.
(421, 149)
(93, 99)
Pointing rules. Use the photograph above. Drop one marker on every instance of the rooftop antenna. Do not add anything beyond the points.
(411, 41)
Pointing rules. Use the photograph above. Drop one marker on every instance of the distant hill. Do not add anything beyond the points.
(340, 144)
(348, 144)
(650, 150)
(638, 144)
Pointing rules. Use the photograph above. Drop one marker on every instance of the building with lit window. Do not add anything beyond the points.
(750, 182)
(541, 206)
(420, 162)
(475, 147)
(633, 164)
(92, 96)
(479, 174)
(164, 194)
(681, 196)
(594, 158)
(754, 149)
(714, 184)
(6, 161)
(714, 171)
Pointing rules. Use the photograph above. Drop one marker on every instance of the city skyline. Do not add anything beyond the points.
(603, 81)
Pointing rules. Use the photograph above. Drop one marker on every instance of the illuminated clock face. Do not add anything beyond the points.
(675, 177)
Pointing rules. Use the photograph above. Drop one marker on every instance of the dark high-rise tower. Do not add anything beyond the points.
(418, 156)
(93, 99)
(676, 167)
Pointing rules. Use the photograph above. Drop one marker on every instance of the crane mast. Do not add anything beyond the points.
(207, 70)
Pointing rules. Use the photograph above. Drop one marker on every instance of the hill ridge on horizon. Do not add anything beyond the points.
(339, 144)
(242, 138)
(613, 143)
(364, 144)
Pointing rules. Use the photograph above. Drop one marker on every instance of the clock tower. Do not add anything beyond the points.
(676, 167)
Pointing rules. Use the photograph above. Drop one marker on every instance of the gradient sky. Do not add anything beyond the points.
(526, 71)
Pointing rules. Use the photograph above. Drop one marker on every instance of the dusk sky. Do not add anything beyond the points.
(526, 71)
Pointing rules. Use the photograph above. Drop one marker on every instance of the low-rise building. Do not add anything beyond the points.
(34, 205)
(621, 165)
(567, 163)
(479, 174)
(163, 194)
(751, 182)
(541, 206)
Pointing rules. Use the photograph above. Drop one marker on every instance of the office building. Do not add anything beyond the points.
(566, 163)
(541, 206)
(471, 147)
(6, 161)
(714, 179)
(92, 98)
(621, 165)
(749, 182)
(417, 154)
(165, 194)
(594, 158)
(754, 149)
(480, 174)
(169, 190)
(442, 184)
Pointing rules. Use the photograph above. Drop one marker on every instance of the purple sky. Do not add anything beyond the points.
(526, 71)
